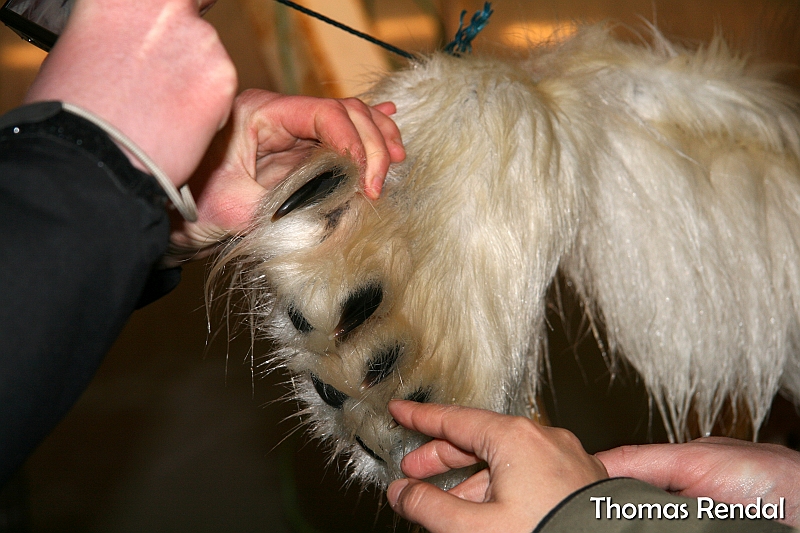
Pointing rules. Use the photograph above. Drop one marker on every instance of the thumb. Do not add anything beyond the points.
(431, 507)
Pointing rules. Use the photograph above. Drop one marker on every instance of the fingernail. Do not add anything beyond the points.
(372, 192)
(395, 489)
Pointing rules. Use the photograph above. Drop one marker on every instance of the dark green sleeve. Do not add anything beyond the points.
(631, 506)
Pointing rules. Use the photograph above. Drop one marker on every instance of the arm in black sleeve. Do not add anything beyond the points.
(80, 232)
(623, 505)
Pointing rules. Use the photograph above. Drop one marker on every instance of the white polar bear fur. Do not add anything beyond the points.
(663, 182)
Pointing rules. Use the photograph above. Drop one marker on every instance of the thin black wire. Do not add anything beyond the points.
(346, 28)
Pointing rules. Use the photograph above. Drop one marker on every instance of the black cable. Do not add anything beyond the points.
(346, 28)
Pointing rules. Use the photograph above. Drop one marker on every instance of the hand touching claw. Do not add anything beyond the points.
(268, 135)
(531, 468)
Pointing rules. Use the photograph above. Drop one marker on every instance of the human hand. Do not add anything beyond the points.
(726, 470)
(152, 68)
(268, 135)
(531, 468)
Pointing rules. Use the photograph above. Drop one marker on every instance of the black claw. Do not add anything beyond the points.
(298, 320)
(330, 395)
(366, 449)
(316, 189)
(420, 396)
(381, 366)
(357, 309)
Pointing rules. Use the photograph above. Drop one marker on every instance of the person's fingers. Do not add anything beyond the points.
(350, 127)
(435, 457)
(436, 510)
(701, 464)
(283, 124)
(370, 148)
(671, 467)
(656, 464)
(475, 488)
(387, 108)
(302, 117)
(382, 113)
(725, 469)
(467, 429)
(280, 122)
(390, 136)
(530, 467)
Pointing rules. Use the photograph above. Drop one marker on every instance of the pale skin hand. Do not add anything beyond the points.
(152, 68)
(531, 469)
(727, 470)
(268, 135)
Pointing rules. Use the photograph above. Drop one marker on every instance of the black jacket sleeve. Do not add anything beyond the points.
(623, 505)
(80, 232)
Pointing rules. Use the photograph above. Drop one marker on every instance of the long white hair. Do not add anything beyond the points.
(664, 183)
